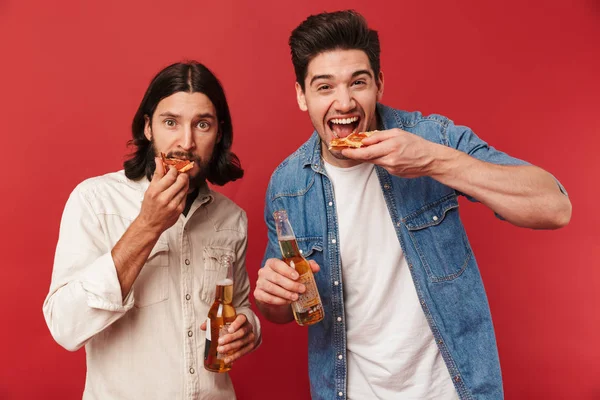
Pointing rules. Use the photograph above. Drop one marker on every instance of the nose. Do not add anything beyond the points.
(187, 141)
(344, 101)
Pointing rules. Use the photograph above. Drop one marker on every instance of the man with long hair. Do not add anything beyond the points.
(140, 252)
(406, 314)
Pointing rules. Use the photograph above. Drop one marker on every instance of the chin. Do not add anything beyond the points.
(338, 154)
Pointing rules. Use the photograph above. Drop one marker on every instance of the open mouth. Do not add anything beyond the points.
(342, 127)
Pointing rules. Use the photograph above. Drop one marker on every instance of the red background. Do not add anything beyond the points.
(523, 75)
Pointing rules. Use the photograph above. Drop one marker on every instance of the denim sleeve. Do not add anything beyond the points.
(464, 139)
(272, 250)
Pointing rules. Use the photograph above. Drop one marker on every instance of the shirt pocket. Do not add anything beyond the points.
(152, 284)
(214, 270)
(440, 239)
(310, 247)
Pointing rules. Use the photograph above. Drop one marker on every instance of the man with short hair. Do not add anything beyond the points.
(406, 314)
(140, 252)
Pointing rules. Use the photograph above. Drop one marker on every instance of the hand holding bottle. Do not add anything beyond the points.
(307, 307)
(277, 285)
(238, 340)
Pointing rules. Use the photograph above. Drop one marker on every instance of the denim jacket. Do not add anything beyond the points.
(425, 214)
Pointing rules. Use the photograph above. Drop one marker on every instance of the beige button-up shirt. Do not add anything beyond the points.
(149, 345)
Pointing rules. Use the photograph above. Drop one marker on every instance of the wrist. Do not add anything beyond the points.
(444, 161)
(142, 226)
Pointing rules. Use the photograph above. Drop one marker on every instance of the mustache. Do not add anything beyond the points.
(183, 155)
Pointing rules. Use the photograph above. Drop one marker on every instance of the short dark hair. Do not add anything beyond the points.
(344, 30)
(190, 77)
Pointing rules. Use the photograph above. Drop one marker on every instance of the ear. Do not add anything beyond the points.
(147, 128)
(300, 98)
(380, 86)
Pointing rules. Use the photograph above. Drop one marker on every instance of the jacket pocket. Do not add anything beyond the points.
(440, 239)
(214, 270)
(152, 284)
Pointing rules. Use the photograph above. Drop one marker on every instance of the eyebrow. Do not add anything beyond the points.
(173, 115)
(354, 75)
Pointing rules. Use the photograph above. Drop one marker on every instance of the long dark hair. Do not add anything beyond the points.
(344, 30)
(188, 77)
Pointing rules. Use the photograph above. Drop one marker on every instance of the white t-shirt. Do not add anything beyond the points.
(391, 352)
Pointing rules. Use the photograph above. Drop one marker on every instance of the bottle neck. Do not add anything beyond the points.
(224, 291)
(289, 247)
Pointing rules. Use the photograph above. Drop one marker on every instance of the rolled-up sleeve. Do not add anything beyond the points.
(85, 293)
(464, 139)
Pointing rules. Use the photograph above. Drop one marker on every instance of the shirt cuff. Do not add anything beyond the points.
(561, 187)
(102, 287)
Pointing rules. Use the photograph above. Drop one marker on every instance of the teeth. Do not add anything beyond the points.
(344, 121)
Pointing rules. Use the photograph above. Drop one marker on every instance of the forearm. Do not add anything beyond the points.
(276, 314)
(525, 196)
(131, 253)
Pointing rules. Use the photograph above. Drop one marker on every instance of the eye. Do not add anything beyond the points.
(170, 123)
(323, 87)
(203, 125)
(359, 82)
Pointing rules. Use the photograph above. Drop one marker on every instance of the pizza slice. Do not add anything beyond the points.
(352, 141)
(179, 164)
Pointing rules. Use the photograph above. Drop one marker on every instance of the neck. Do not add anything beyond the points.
(189, 200)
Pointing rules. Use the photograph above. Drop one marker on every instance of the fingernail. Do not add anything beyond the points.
(294, 275)
(220, 341)
(230, 330)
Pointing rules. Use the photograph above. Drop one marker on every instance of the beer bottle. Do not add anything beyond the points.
(308, 309)
(220, 317)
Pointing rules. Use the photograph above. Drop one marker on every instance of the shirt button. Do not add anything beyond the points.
(339, 319)
(300, 251)
(340, 357)
(333, 241)
(187, 297)
(192, 370)
(340, 394)
(435, 218)
(330, 203)
(386, 186)
(190, 333)
(187, 262)
(336, 283)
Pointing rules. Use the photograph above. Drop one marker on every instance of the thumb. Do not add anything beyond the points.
(203, 326)
(159, 171)
(314, 266)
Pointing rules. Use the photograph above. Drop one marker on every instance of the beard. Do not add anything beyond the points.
(197, 180)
